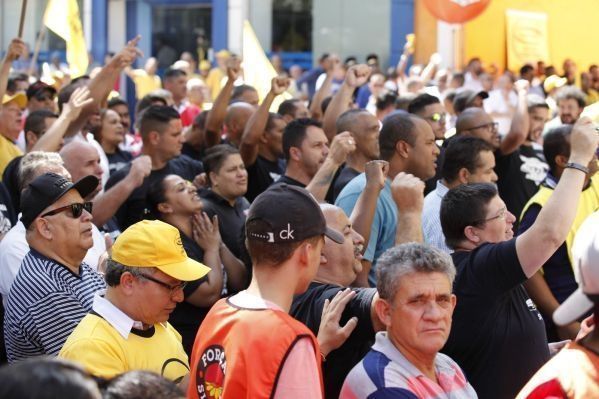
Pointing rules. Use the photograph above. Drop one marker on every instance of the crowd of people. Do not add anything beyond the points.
(418, 232)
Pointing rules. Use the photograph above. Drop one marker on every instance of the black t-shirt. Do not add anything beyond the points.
(497, 335)
(345, 176)
(186, 318)
(119, 159)
(519, 175)
(288, 180)
(261, 174)
(8, 217)
(10, 178)
(307, 308)
(231, 219)
(135, 207)
(191, 152)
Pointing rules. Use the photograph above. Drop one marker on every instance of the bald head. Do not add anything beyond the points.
(237, 116)
(470, 118)
(82, 159)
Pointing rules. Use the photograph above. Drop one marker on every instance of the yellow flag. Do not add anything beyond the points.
(62, 17)
(527, 38)
(257, 69)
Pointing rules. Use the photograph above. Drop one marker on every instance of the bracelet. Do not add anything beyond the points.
(577, 166)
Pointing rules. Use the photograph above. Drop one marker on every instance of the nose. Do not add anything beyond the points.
(86, 216)
(509, 217)
(177, 295)
(494, 177)
(433, 311)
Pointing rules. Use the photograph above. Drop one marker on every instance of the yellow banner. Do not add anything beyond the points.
(527, 39)
(62, 17)
(257, 69)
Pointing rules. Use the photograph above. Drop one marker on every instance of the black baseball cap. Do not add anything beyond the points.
(37, 87)
(48, 188)
(464, 98)
(287, 214)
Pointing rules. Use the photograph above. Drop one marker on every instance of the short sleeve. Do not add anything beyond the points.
(98, 357)
(299, 377)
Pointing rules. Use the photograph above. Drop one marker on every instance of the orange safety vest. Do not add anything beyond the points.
(239, 352)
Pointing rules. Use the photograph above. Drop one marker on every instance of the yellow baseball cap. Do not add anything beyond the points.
(153, 243)
(19, 97)
(223, 54)
(553, 82)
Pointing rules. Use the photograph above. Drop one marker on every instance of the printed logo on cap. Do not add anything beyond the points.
(179, 244)
(210, 375)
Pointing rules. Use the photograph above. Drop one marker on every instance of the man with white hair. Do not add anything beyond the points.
(414, 282)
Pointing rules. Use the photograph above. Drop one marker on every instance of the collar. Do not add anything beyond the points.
(384, 345)
(441, 189)
(51, 261)
(114, 316)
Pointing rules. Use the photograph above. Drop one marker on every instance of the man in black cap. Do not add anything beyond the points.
(53, 289)
(285, 231)
(468, 99)
(41, 96)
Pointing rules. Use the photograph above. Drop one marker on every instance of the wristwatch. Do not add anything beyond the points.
(574, 165)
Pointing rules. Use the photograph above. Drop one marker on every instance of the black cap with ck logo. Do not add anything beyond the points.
(48, 188)
(287, 214)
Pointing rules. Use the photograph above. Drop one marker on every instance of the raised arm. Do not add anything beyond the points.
(216, 115)
(520, 123)
(551, 227)
(342, 145)
(107, 203)
(428, 73)
(325, 89)
(254, 129)
(52, 139)
(355, 77)
(16, 48)
(402, 64)
(408, 194)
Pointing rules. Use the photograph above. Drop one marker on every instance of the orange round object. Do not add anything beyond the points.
(456, 11)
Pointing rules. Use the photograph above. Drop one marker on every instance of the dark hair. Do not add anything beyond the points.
(372, 56)
(146, 101)
(420, 102)
(114, 271)
(535, 102)
(11, 85)
(142, 384)
(462, 206)
(395, 128)
(571, 93)
(46, 378)
(238, 92)
(199, 122)
(172, 73)
(288, 107)
(65, 93)
(36, 121)
(347, 120)
(402, 102)
(215, 157)
(113, 102)
(556, 143)
(526, 69)
(156, 118)
(462, 152)
(268, 253)
(272, 117)
(386, 99)
(295, 133)
(154, 197)
(459, 77)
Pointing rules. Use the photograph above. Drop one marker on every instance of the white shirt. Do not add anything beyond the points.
(14, 247)
(431, 219)
(114, 316)
(496, 103)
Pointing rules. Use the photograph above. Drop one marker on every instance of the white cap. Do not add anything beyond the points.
(585, 258)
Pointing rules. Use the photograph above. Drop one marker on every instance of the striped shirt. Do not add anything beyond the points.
(385, 373)
(431, 218)
(45, 304)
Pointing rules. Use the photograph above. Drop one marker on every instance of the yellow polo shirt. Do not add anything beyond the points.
(8, 151)
(144, 83)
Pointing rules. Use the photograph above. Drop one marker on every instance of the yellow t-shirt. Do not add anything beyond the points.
(104, 352)
(145, 83)
(214, 81)
(8, 151)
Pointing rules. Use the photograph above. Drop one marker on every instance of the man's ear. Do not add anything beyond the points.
(43, 228)
(471, 234)
(30, 138)
(463, 175)
(126, 283)
(295, 154)
(154, 137)
(402, 149)
(383, 311)
(561, 160)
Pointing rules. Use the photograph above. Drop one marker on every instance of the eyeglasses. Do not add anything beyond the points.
(502, 214)
(76, 209)
(437, 117)
(171, 288)
(487, 126)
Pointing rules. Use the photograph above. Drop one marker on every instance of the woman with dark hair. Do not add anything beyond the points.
(110, 133)
(227, 180)
(175, 201)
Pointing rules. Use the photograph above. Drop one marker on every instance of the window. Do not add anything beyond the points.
(292, 25)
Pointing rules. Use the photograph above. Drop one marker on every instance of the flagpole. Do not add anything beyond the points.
(22, 21)
(36, 51)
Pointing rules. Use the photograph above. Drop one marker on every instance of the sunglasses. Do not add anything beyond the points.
(76, 209)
